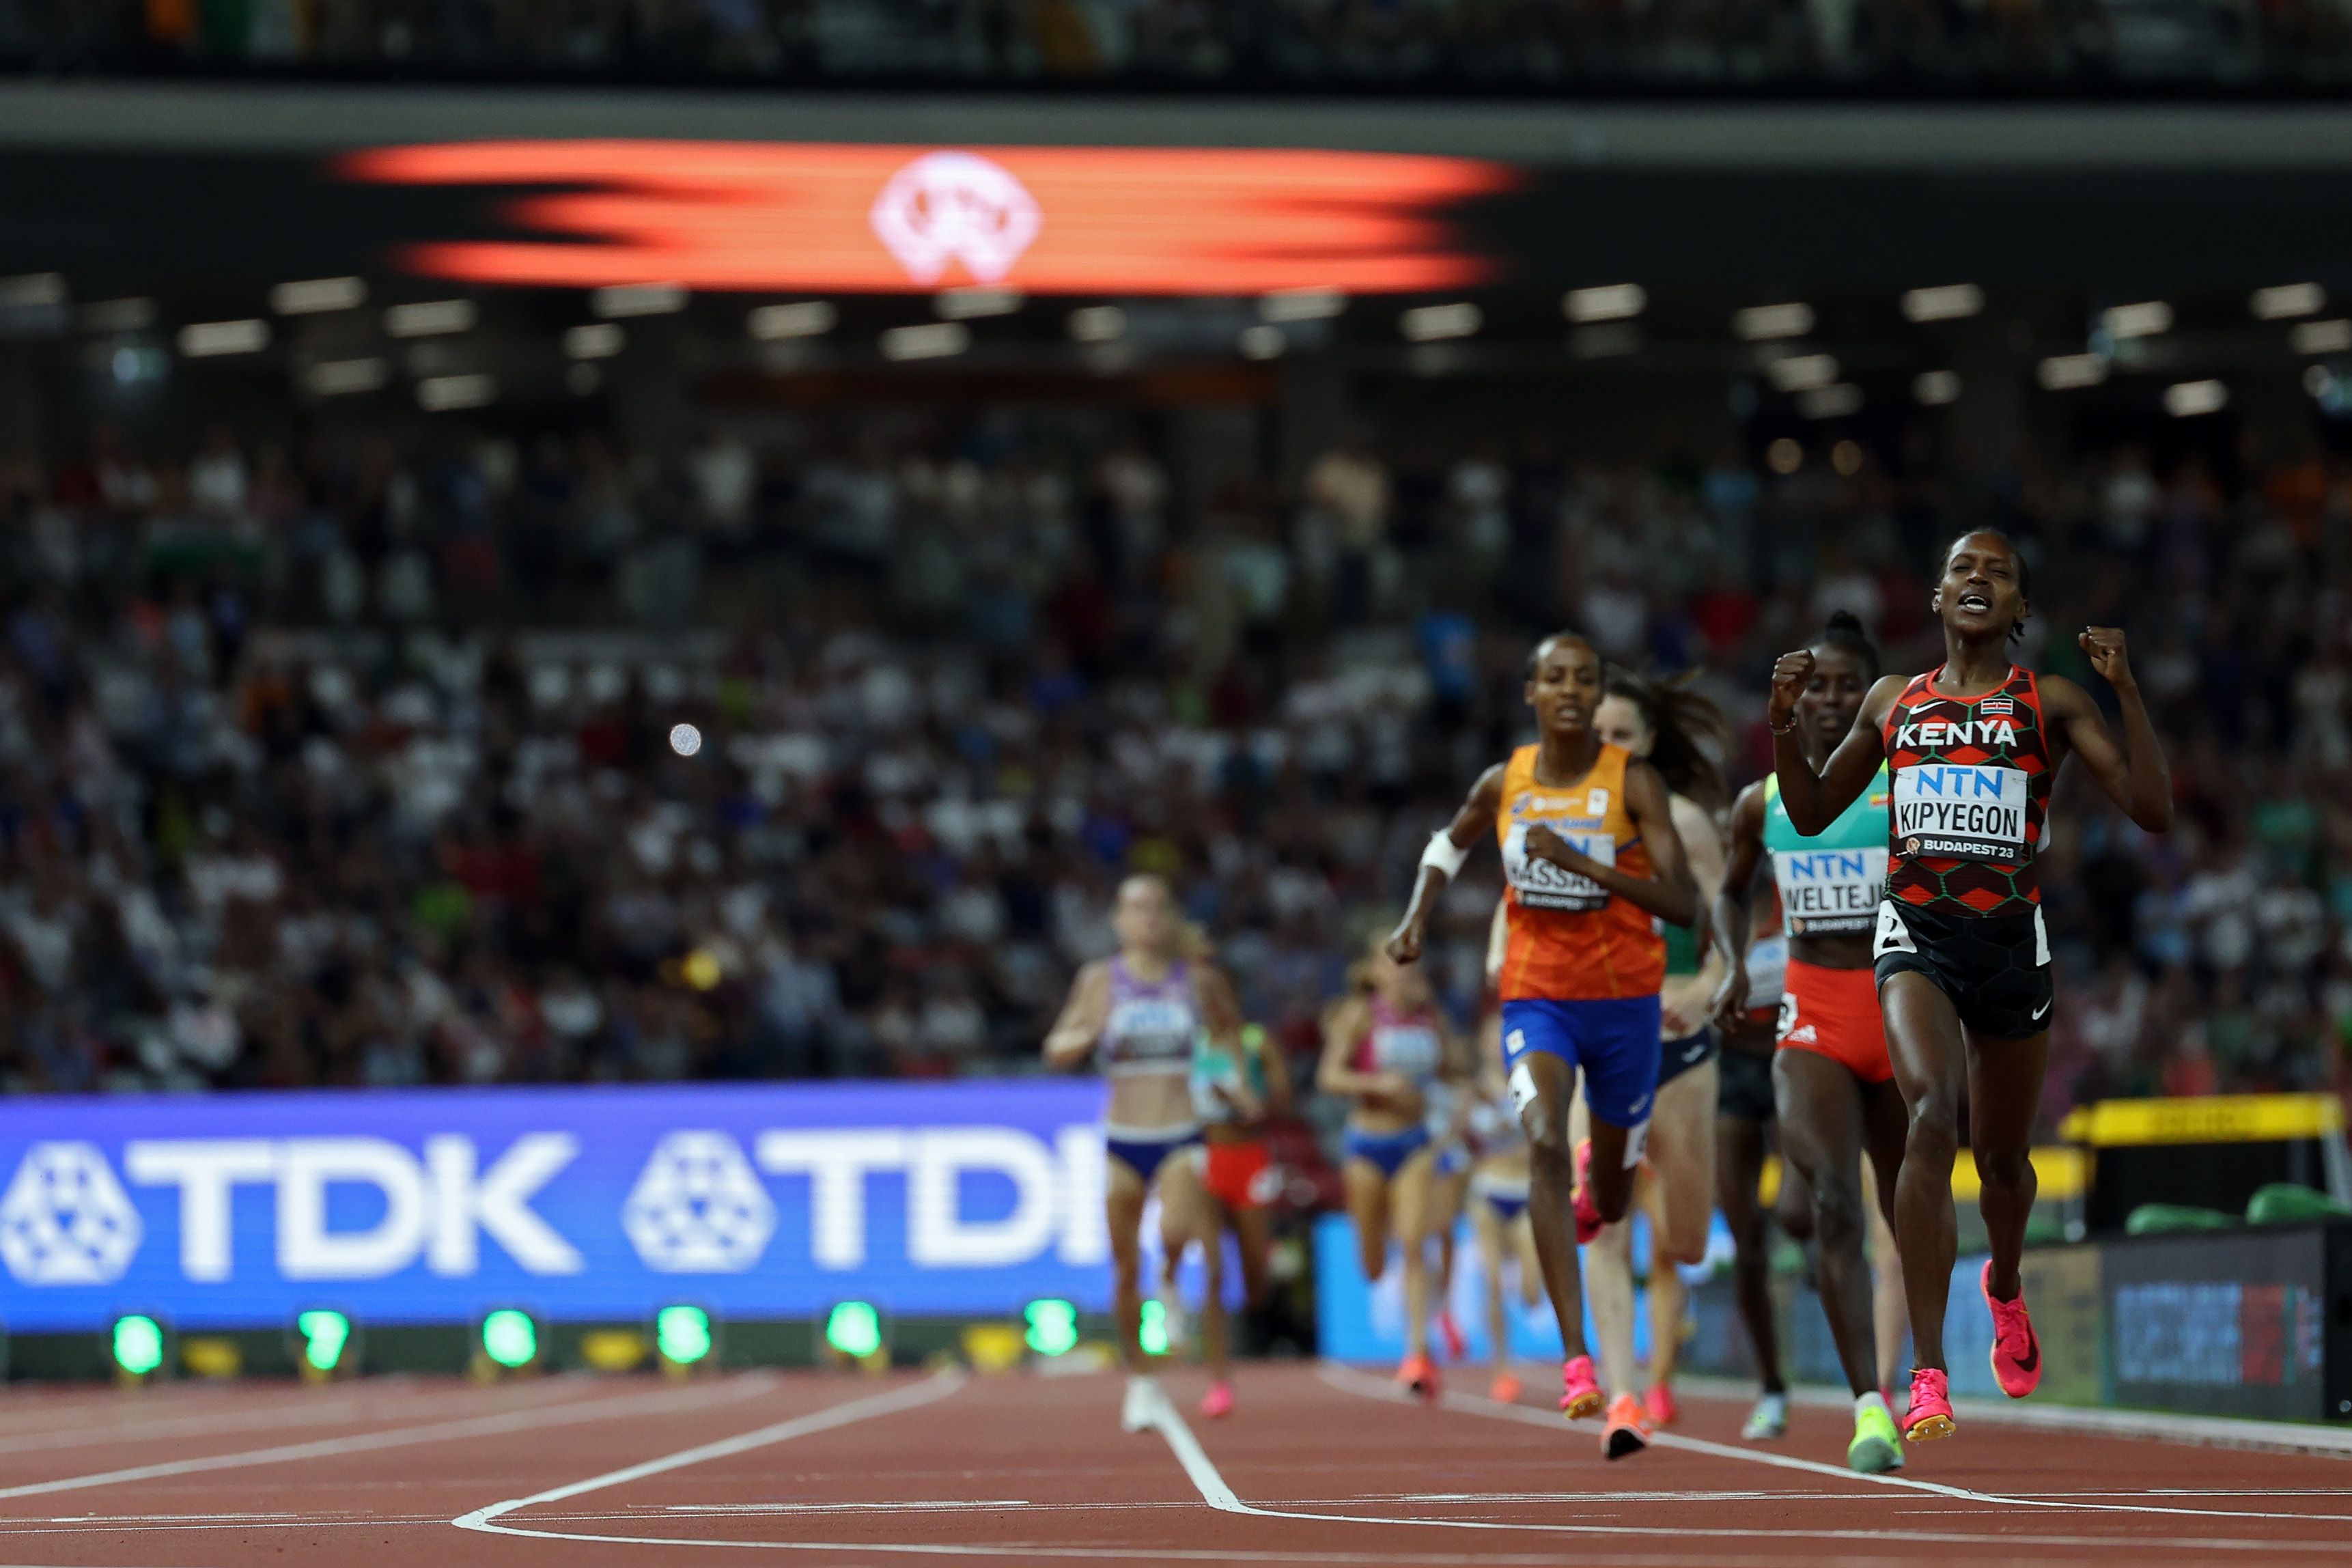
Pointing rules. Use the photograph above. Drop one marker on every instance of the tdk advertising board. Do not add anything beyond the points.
(755, 1200)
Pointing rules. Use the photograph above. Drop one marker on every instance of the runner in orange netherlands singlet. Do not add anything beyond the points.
(1590, 855)
(1962, 959)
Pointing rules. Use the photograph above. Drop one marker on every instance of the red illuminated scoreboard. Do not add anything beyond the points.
(889, 219)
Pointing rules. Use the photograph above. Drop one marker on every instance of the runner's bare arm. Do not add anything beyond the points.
(1814, 800)
(1461, 1052)
(1703, 846)
(1667, 891)
(1221, 1010)
(2133, 775)
(1474, 821)
(1083, 1018)
(1220, 1020)
(1733, 928)
(1342, 1027)
(1280, 1099)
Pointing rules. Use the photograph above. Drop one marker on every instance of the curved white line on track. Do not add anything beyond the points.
(1349, 1380)
(530, 1418)
(911, 1397)
(1217, 1494)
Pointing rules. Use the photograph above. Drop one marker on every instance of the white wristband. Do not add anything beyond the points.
(1444, 856)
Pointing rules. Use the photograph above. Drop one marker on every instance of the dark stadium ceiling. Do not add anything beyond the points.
(141, 222)
(135, 187)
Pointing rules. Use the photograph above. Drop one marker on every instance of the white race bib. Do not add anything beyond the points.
(1544, 886)
(1962, 811)
(1824, 891)
(1892, 935)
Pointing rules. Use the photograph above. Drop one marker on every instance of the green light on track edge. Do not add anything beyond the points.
(510, 1337)
(682, 1334)
(1151, 1334)
(854, 1329)
(1053, 1327)
(324, 1335)
(138, 1344)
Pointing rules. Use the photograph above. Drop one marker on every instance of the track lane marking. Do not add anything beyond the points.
(1214, 1491)
(532, 1417)
(913, 1397)
(1349, 1380)
(131, 1429)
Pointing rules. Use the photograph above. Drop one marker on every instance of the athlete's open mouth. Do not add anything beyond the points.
(1975, 602)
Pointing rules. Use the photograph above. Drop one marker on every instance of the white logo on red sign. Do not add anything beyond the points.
(955, 207)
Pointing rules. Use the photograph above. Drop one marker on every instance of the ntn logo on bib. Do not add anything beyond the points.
(1975, 813)
(1826, 892)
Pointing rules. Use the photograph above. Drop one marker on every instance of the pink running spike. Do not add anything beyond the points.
(2016, 1352)
(1580, 1394)
(1930, 1415)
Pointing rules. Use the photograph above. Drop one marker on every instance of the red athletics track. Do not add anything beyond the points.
(1319, 1466)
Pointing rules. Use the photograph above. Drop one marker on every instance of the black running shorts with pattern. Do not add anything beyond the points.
(1995, 968)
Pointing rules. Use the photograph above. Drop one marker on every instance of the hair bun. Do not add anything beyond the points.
(1846, 621)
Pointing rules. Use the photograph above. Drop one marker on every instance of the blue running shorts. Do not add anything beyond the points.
(1614, 1040)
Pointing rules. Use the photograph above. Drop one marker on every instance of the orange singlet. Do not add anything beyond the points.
(1570, 940)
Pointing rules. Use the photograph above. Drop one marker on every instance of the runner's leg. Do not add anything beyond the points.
(2005, 1080)
(1739, 1167)
(1551, 1192)
(1187, 1213)
(1930, 1057)
(1883, 1131)
(1682, 1203)
(1609, 1278)
(1486, 1226)
(1367, 1193)
(1412, 1195)
(1123, 1209)
(1821, 1134)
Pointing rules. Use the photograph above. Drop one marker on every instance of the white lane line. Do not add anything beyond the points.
(724, 1507)
(1217, 1494)
(913, 1397)
(1212, 1486)
(1195, 1461)
(525, 1420)
(2190, 1431)
(130, 1428)
(1349, 1380)
(1599, 1497)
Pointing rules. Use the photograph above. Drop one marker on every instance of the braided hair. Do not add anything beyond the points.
(1844, 633)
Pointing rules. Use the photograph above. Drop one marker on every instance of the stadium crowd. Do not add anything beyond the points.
(1490, 45)
(393, 757)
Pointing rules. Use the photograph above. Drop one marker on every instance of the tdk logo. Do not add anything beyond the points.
(699, 1205)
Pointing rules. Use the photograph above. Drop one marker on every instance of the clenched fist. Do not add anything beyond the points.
(1790, 674)
(2104, 647)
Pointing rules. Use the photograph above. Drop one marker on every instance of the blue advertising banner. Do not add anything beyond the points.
(1364, 1322)
(757, 1201)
